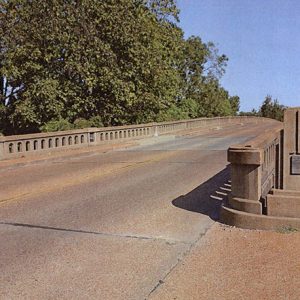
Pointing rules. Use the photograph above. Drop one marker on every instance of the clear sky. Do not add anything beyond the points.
(261, 39)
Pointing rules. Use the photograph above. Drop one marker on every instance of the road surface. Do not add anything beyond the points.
(111, 225)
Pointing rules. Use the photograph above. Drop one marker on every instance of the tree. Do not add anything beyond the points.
(234, 104)
(194, 54)
(215, 63)
(125, 61)
(272, 109)
(253, 113)
(214, 100)
(70, 60)
(269, 109)
(202, 68)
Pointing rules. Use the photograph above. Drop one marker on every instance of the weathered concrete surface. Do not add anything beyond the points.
(284, 206)
(109, 225)
(42, 264)
(234, 264)
(246, 220)
(291, 176)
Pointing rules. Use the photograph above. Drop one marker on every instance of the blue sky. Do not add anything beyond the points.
(261, 39)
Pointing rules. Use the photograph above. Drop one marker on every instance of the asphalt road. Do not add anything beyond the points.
(110, 225)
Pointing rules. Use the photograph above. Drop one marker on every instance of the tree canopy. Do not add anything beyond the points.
(270, 108)
(121, 61)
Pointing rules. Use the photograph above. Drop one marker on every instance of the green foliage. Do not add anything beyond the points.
(92, 122)
(190, 108)
(56, 125)
(63, 124)
(269, 109)
(235, 104)
(287, 229)
(81, 123)
(272, 109)
(96, 121)
(173, 113)
(214, 100)
(125, 61)
(201, 69)
(252, 113)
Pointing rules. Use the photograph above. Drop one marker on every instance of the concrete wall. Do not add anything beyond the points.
(266, 178)
(255, 169)
(291, 179)
(254, 221)
(30, 144)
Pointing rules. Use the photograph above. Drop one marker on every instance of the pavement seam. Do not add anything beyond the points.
(129, 236)
(179, 260)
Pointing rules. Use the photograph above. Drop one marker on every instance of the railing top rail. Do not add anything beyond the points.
(261, 140)
(252, 152)
(114, 128)
(42, 135)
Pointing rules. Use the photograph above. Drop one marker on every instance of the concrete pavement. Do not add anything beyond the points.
(110, 225)
(232, 264)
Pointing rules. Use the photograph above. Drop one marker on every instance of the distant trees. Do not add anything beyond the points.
(201, 68)
(235, 104)
(269, 109)
(253, 113)
(272, 109)
(119, 61)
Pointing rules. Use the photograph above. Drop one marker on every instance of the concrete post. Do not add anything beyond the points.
(246, 181)
(291, 149)
(246, 178)
(155, 130)
(1, 150)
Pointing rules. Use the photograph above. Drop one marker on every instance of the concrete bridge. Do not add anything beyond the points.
(114, 220)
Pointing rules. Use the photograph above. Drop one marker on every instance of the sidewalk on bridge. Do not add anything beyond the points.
(231, 263)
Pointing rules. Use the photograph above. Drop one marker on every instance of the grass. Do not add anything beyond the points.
(287, 229)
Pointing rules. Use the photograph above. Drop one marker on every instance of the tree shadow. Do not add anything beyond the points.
(208, 197)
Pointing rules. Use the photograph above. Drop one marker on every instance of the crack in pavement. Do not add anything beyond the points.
(179, 260)
(129, 236)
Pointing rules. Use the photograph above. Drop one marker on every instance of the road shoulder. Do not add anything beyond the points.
(231, 263)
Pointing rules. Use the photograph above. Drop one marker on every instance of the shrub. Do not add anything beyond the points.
(92, 122)
(96, 121)
(81, 123)
(56, 125)
(173, 113)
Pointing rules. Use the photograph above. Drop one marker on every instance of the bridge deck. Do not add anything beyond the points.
(110, 225)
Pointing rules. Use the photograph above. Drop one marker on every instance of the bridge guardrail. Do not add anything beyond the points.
(256, 168)
(21, 145)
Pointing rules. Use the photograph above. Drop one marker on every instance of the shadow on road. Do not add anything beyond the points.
(208, 197)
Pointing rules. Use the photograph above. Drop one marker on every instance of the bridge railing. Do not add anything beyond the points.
(256, 168)
(28, 144)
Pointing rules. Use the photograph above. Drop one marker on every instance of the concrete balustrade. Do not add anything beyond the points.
(14, 146)
(255, 170)
(28, 144)
(265, 178)
(292, 149)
